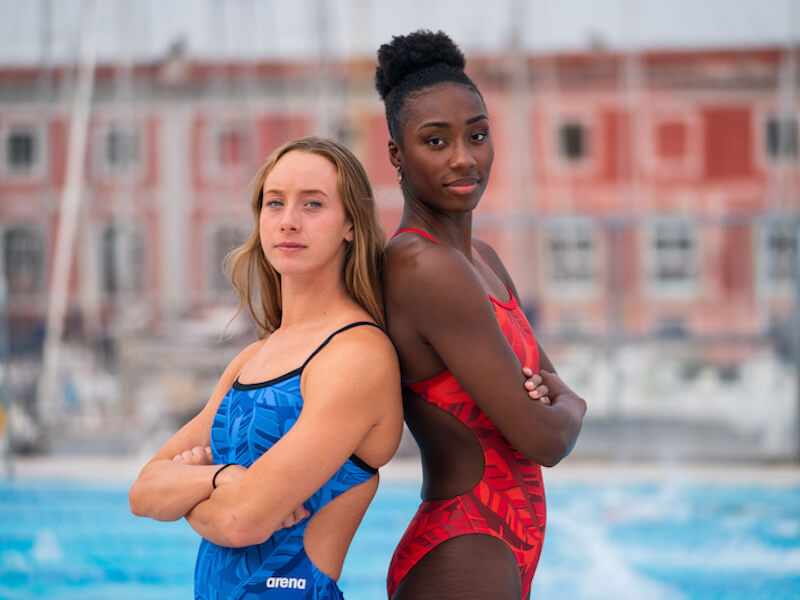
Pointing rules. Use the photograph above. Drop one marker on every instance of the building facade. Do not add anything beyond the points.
(631, 195)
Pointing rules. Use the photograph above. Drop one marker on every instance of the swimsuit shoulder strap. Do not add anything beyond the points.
(334, 334)
(419, 231)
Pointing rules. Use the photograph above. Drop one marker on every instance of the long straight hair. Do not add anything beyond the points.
(257, 282)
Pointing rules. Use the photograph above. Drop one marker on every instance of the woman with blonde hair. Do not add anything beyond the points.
(277, 471)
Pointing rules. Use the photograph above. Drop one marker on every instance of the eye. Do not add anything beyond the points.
(314, 204)
(435, 142)
(273, 203)
(480, 136)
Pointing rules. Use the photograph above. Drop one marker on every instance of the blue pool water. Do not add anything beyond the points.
(67, 541)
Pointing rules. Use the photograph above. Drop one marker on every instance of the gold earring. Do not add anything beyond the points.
(399, 176)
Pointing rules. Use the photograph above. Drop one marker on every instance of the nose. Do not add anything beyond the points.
(289, 220)
(462, 157)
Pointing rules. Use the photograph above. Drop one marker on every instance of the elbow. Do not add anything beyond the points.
(240, 531)
(551, 455)
(142, 504)
(564, 434)
(135, 501)
(551, 449)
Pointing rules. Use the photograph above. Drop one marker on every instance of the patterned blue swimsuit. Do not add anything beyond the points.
(250, 419)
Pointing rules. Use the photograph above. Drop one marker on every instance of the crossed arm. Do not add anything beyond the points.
(452, 315)
(347, 390)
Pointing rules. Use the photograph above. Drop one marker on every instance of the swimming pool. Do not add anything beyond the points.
(604, 540)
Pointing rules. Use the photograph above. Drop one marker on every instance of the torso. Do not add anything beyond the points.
(251, 418)
(474, 480)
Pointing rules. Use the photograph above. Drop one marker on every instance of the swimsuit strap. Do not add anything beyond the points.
(419, 231)
(335, 333)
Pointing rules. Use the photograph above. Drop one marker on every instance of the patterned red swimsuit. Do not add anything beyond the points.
(508, 502)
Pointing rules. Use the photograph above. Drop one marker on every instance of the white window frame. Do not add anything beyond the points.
(766, 286)
(691, 164)
(680, 289)
(106, 169)
(780, 119)
(592, 123)
(126, 283)
(36, 294)
(215, 169)
(573, 226)
(214, 263)
(38, 167)
(762, 113)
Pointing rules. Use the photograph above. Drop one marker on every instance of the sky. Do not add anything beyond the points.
(286, 29)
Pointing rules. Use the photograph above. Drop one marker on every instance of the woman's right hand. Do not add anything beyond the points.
(535, 386)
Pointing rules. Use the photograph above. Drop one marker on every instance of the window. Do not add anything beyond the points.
(671, 140)
(230, 151)
(225, 239)
(121, 261)
(121, 149)
(23, 152)
(572, 141)
(778, 253)
(673, 254)
(23, 261)
(572, 253)
(781, 137)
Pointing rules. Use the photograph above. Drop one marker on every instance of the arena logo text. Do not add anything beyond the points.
(292, 583)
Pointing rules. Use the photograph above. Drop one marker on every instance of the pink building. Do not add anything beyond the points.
(630, 194)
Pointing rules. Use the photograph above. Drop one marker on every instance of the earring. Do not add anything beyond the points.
(399, 176)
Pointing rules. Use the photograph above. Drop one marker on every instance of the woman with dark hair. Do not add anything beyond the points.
(453, 315)
(304, 416)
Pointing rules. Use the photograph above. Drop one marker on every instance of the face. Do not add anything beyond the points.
(445, 150)
(303, 225)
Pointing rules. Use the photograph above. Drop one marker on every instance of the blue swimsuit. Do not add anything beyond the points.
(250, 419)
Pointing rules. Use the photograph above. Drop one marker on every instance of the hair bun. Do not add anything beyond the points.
(409, 53)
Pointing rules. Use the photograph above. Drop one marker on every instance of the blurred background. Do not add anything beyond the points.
(644, 197)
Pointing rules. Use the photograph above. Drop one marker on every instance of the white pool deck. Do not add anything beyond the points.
(118, 470)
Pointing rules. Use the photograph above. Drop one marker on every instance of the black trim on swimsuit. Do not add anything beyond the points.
(237, 385)
(360, 463)
(262, 384)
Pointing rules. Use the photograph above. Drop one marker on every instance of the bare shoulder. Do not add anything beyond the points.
(490, 256)
(359, 360)
(359, 350)
(418, 270)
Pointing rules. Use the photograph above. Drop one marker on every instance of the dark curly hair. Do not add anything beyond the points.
(413, 62)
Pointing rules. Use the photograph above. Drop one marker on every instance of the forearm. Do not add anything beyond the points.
(570, 409)
(223, 520)
(166, 490)
(207, 521)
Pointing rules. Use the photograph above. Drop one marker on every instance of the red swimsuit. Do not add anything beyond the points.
(508, 502)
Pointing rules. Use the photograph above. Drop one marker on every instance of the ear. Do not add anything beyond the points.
(394, 154)
(348, 234)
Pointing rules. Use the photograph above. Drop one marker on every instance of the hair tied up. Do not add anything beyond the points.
(406, 54)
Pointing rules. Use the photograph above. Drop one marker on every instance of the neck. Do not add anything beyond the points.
(308, 300)
(450, 228)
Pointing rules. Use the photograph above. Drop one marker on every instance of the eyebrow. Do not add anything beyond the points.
(444, 124)
(303, 192)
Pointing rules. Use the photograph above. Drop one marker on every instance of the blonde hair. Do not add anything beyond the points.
(258, 284)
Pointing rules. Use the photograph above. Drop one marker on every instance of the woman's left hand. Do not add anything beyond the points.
(535, 387)
(297, 515)
(198, 455)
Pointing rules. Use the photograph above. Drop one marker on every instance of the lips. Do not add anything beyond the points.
(289, 246)
(465, 185)
(462, 182)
